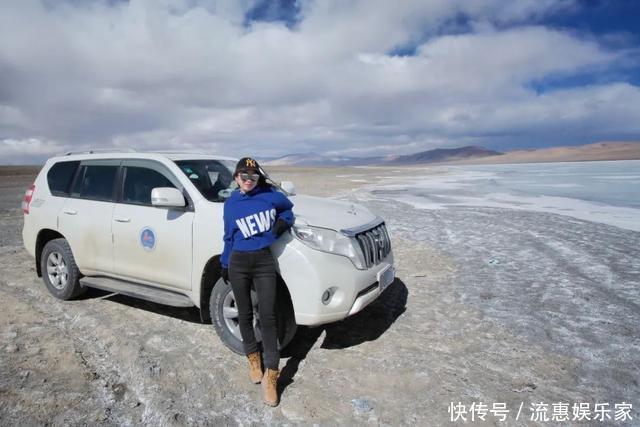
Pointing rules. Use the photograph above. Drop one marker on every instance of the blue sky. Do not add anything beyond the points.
(341, 78)
(615, 24)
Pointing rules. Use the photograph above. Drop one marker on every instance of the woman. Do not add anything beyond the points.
(254, 217)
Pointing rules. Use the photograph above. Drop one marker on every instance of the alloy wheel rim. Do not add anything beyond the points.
(57, 270)
(230, 315)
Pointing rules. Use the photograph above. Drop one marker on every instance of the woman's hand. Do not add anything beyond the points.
(279, 227)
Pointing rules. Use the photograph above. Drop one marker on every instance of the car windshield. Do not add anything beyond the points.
(213, 178)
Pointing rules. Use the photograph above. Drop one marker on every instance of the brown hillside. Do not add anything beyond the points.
(597, 151)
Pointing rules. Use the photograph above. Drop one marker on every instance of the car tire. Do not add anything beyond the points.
(224, 316)
(59, 270)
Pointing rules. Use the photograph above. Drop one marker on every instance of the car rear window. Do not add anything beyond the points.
(95, 182)
(60, 176)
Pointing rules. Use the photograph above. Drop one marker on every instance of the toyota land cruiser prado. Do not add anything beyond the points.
(149, 225)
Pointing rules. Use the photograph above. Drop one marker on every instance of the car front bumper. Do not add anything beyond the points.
(309, 273)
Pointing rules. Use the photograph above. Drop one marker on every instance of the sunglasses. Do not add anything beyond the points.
(249, 176)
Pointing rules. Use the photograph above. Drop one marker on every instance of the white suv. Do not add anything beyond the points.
(149, 225)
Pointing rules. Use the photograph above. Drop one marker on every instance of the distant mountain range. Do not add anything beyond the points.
(444, 155)
(429, 156)
(314, 159)
(471, 155)
(589, 152)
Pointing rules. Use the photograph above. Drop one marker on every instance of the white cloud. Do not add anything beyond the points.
(187, 74)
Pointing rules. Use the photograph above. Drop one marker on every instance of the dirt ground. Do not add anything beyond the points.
(489, 306)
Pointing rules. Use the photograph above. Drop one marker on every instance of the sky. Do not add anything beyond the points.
(336, 77)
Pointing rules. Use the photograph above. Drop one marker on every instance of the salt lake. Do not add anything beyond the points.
(607, 192)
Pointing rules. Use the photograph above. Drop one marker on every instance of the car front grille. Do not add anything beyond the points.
(375, 245)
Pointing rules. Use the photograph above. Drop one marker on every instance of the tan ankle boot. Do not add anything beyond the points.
(270, 387)
(255, 367)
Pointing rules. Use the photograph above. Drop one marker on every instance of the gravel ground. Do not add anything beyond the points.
(489, 305)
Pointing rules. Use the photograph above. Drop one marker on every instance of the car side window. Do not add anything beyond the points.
(60, 176)
(95, 182)
(138, 183)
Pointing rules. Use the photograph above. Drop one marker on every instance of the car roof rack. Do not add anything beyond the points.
(100, 150)
(176, 152)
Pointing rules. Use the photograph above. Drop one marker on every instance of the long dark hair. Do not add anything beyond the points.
(262, 182)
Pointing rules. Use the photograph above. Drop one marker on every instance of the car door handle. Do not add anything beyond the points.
(70, 212)
(122, 219)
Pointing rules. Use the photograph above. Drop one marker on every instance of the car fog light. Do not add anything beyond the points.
(326, 296)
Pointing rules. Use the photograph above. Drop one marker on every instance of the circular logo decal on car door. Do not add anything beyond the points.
(148, 239)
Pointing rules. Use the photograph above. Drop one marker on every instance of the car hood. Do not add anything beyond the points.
(329, 213)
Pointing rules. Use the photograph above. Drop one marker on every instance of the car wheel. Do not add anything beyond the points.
(59, 270)
(224, 316)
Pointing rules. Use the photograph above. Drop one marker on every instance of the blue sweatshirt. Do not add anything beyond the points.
(248, 218)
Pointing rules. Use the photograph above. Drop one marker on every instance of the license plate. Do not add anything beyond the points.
(385, 277)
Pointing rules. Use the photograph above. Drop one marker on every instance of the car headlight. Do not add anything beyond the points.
(326, 240)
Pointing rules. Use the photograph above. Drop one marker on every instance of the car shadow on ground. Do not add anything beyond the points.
(367, 325)
(188, 314)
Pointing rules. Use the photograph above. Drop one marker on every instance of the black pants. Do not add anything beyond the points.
(257, 267)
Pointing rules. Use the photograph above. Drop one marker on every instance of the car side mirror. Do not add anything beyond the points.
(288, 187)
(167, 197)
(225, 194)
